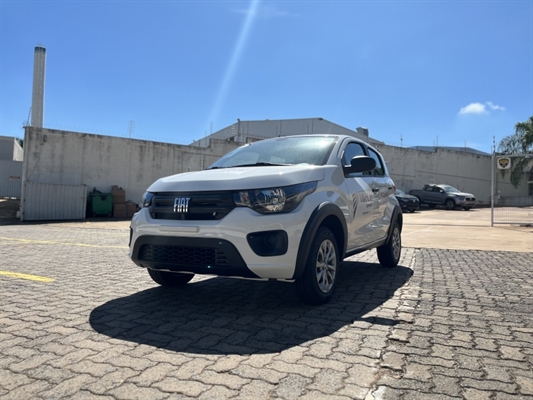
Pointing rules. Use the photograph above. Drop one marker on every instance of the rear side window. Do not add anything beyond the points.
(379, 170)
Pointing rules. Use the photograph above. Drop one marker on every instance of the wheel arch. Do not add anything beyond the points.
(330, 216)
(397, 215)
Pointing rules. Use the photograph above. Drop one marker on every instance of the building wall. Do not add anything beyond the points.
(49, 201)
(71, 158)
(10, 178)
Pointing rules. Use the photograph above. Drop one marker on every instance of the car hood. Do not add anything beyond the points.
(239, 178)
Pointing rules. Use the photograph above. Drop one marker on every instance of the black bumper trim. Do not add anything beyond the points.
(221, 257)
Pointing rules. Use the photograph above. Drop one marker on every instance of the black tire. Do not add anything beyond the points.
(466, 208)
(169, 278)
(449, 204)
(319, 279)
(389, 253)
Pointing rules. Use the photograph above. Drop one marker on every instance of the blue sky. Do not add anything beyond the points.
(451, 73)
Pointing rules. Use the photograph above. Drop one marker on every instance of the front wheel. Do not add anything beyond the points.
(449, 204)
(319, 279)
(389, 253)
(169, 278)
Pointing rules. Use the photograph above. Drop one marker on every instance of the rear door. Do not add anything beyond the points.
(361, 198)
(382, 189)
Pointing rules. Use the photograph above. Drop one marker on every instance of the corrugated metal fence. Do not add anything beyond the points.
(50, 201)
(10, 178)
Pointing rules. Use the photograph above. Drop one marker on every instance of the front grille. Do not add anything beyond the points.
(183, 255)
(201, 206)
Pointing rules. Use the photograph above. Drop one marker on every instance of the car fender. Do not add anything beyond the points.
(318, 218)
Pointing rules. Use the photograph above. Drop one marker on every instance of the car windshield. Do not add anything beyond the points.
(311, 150)
(399, 192)
(450, 189)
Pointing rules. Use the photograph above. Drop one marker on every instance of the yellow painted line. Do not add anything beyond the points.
(64, 243)
(26, 276)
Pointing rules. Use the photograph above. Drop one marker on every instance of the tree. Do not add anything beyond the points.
(521, 142)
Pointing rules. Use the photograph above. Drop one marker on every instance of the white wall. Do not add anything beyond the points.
(71, 158)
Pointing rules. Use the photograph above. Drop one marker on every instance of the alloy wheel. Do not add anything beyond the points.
(326, 266)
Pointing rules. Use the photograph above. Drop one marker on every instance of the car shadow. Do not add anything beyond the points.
(231, 316)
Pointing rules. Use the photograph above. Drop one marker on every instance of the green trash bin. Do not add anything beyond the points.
(101, 204)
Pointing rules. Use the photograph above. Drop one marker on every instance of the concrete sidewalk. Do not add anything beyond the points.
(463, 230)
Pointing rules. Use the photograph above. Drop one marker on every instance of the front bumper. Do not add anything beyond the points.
(409, 205)
(222, 247)
(465, 202)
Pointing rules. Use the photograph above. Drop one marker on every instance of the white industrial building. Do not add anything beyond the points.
(249, 131)
(11, 155)
(10, 149)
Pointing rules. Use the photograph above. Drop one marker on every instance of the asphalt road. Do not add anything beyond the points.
(78, 320)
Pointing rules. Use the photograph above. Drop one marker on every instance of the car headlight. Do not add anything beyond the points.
(274, 200)
(147, 199)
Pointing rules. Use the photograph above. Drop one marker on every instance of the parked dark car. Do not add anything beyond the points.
(407, 201)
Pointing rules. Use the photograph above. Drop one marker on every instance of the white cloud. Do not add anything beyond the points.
(474, 108)
(480, 108)
(494, 106)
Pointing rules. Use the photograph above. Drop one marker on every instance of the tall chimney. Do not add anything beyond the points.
(37, 99)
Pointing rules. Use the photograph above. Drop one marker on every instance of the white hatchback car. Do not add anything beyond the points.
(290, 208)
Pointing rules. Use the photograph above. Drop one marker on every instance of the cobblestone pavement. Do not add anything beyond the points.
(444, 324)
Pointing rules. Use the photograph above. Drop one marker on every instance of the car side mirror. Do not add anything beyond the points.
(360, 164)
